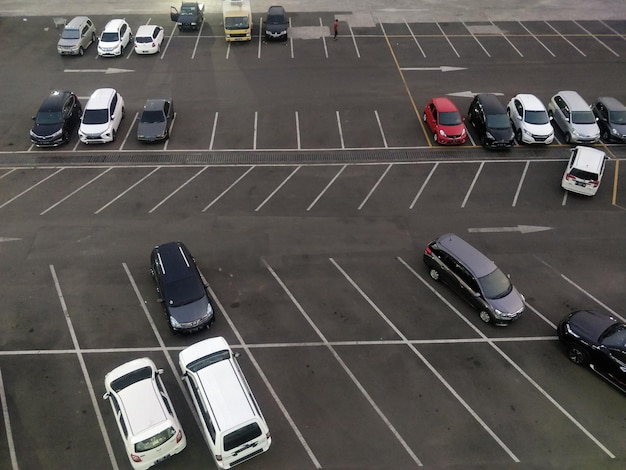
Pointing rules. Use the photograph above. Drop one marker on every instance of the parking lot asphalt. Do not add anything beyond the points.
(304, 183)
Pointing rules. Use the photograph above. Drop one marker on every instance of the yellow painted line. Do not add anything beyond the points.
(607, 150)
(406, 87)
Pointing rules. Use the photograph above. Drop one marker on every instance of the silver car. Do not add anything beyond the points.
(77, 36)
(573, 115)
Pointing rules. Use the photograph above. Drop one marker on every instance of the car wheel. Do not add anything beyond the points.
(66, 136)
(606, 136)
(435, 138)
(577, 355)
(123, 112)
(434, 274)
(518, 136)
(121, 50)
(484, 316)
(93, 37)
(81, 51)
(113, 133)
(568, 138)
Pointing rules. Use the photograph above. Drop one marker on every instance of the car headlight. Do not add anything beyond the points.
(209, 310)
(463, 132)
(442, 133)
(57, 133)
(527, 132)
(575, 132)
(490, 136)
(569, 331)
(174, 323)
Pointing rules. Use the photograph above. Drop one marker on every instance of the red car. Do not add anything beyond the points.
(445, 122)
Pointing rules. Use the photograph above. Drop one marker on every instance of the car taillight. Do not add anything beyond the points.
(428, 251)
(569, 176)
(135, 458)
(593, 183)
(179, 436)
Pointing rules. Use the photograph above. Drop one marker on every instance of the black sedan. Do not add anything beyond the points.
(156, 119)
(596, 340)
(57, 117)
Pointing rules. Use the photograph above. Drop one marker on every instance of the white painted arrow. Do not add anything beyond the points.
(5, 239)
(519, 228)
(471, 94)
(106, 71)
(441, 68)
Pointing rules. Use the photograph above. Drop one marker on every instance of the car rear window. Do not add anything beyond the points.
(155, 441)
(241, 436)
(583, 175)
(143, 39)
(131, 378)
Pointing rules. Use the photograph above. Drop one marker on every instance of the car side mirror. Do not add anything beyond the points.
(237, 354)
(106, 396)
(159, 371)
(33, 118)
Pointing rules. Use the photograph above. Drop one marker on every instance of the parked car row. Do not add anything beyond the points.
(527, 121)
(80, 33)
(231, 420)
(61, 112)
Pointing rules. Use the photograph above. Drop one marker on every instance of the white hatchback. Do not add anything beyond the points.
(102, 116)
(115, 36)
(144, 413)
(530, 120)
(148, 39)
(584, 171)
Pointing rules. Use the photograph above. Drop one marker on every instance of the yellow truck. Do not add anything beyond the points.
(237, 20)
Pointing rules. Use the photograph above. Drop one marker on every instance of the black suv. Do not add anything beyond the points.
(475, 278)
(596, 340)
(491, 122)
(182, 288)
(56, 119)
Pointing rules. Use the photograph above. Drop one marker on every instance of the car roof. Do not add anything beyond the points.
(100, 98)
(612, 104)
(155, 104)
(444, 104)
(588, 159)
(574, 100)
(146, 30)
(276, 10)
(114, 24)
(471, 258)
(490, 103)
(55, 100)
(530, 102)
(76, 22)
(175, 260)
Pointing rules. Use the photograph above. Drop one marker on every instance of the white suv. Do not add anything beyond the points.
(144, 413)
(101, 117)
(530, 120)
(115, 36)
(584, 171)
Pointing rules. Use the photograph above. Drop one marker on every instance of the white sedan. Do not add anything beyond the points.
(148, 39)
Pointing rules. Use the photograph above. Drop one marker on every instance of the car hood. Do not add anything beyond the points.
(189, 312)
(501, 134)
(151, 128)
(94, 129)
(276, 27)
(587, 130)
(452, 130)
(511, 303)
(44, 130)
(187, 18)
(67, 42)
(539, 129)
(621, 128)
(589, 325)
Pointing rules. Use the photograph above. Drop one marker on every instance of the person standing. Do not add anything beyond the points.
(335, 29)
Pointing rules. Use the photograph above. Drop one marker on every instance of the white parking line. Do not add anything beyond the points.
(229, 188)
(213, 131)
(346, 369)
(324, 40)
(7, 425)
(76, 190)
(507, 39)
(356, 47)
(168, 42)
(595, 299)
(8, 173)
(510, 361)
(612, 30)
(565, 39)
(343, 145)
(132, 124)
(127, 190)
(169, 132)
(254, 134)
(476, 39)
(83, 366)
(447, 39)
(595, 37)
(419, 193)
(177, 189)
(330, 183)
(519, 185)
(380, 128)
(414, 38)
(277, 189)
(299, 146)
(31, 187)
(375, 186)
(195, 47)
(536, 38)
(469, 191)
(260, 37)
(266, 381)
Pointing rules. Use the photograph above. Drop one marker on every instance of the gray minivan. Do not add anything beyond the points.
(77, 36)
(475, 278)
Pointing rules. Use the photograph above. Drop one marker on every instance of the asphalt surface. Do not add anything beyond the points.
(302, 180)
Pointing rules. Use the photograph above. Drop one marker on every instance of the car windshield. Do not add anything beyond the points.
(495, 285)
(184, 291)
(96, 116)
(583, 117)
(110, 37)
(617, 117)
(152, 116)
(188, 10)
(450, 118)
(275, 19)
(49, 117)
(615, 336)
(70, 34)
(132, 377)
(236, 22)
(155, 441)
(536, 117)
(205, 361)
(498, 121)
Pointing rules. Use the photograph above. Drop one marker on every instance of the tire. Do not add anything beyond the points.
(113, 135)
(121, 50)
(81, 51)
(123, 112)
(606, 137)
(568, 138)
(518, 136)
(435, 138)
(577, 355)
(434, 274)
(484, 316)
(93, 37)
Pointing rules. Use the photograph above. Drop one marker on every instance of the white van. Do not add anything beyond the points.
(230, 418)
(584, 170)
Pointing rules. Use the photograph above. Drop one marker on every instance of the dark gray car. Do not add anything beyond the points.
(475, 278)
(276, 23)
(611, 116)
(156, 119)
